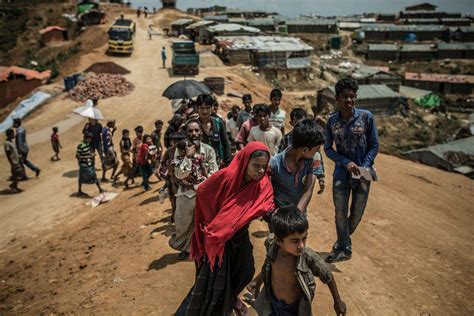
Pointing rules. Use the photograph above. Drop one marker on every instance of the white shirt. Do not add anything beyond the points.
(231, 126)
(277, 119)
(271, 138)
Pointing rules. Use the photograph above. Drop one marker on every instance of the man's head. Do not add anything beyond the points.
(93, 121)
(111, 124)
(205, 103)
(16, 122)
(307, 138)
(262, 115)
(55, 129)
(10, 133)
(235, 112)
(346, 94)
(194, 130)
(296, 115)
(247, 101)
(88, 137)
(147, 139)
(177, 120)
(275, 97)
(125, 133)
(290, 227)
(215, 107)
(158, 125)
(139, 131)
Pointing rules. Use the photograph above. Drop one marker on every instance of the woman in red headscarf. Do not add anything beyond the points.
(226, 203)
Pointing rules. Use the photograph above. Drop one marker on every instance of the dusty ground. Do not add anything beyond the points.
(413, 251)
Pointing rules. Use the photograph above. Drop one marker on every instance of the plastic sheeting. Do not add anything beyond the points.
(25, 107)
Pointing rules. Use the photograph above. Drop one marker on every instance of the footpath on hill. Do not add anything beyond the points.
(412, 253)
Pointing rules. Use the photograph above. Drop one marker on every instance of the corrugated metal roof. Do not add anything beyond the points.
(439, 77)
(372, 91)
(349, 25)
(406, 28)
(456, 46)
(230, 27)
(199, 24)
(220, 18)
(416, 48)
(237, 20)
(364, 71)
(411, 93)
(311, 21)
(426, 21)
(264, 44)
(262, 21)
(383, 47)
(467, 29)
(455, 20)
(182, 22)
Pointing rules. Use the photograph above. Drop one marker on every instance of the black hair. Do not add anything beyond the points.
(9, 132)
(146, 136)
(205, 99)
(288, 220)
(125, 131)
(259, 153)
(55, 129)
(139, 129)
(261, 107)
(346, 83)
(193, 121)
(307, 133)
(235, 107)
(298, 114)
(230, 115)
(182, 144)
(158, 122)
(246, 97)
(177, 136)
(17, 120)
(276, 93)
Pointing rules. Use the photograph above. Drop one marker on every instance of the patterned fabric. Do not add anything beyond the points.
(277, 119)
(83, 153)
(356, 141)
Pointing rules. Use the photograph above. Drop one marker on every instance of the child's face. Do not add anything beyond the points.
(125, 135)
(149, 141)
(263, 119)
(309, 153)
(139, 135)
(294, 244)
(159, 127)
(275, 101)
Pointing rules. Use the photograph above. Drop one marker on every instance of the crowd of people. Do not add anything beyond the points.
(222, 173)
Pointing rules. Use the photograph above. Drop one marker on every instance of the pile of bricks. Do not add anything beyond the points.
(101, 86)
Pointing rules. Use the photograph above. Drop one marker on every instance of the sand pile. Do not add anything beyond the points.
(107, 67)
(101, 86)
(208, 59)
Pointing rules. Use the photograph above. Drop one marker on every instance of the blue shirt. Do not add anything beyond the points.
(356, 141)
(288, 187)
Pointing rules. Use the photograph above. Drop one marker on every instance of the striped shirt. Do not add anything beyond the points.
(83, 152)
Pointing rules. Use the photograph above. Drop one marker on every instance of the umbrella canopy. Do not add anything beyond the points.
(186, 89)
(88, 110)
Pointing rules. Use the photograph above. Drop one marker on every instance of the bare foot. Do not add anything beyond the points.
(240, 308)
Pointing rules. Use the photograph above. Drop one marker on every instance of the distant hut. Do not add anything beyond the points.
(411, 52)
(385, 52)
(53, 34)
(168, 4)
(456, 50)
(306, 25)
(425, 6)
(444, 83)
(366, 75)
(178, 27)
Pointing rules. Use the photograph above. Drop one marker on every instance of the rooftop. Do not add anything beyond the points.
(182, 22)
(416, 48)
(408, 28)
(200, 24)
(383, 47)
(456, 46)
(372, 91)
(230, 27)
(264, 44)
(439, 77)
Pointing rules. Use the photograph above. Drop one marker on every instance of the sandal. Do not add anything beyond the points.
(338, 256)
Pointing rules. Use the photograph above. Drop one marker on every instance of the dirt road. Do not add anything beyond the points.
(413, 251)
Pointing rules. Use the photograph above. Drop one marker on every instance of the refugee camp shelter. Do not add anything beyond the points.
(217, 18)
(453, 156)
(168, 4)
(312, 25)
(463, 33)
(198, 31)
(263, 24)
(456, 50)
(386, 17)
(266, 52)
(413, 93)
(52, 34)
(385, 52)
(377, 98)
(425, 6)
(412, 52)
(231, 30)
(393, 32)
(178, 27)
(16, 82)
(367, 75)
(421, 21)
(455, 21)
(444, 83)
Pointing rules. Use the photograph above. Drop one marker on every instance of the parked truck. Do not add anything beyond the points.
(121, 36)
(185, 58)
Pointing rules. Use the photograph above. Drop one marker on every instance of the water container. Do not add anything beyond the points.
(335, 42)
(68, 83)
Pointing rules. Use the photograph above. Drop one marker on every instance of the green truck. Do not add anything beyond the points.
(185, 58)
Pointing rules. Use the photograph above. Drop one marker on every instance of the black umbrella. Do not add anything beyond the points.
(185, 89)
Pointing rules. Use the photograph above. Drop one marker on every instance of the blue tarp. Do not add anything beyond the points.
(25, 107)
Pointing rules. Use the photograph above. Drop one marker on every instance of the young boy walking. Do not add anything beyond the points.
(125, 155)
(145, 161)
(290, 268)
(265, 132)
(17, 169)
(354, 134)
(55, 144)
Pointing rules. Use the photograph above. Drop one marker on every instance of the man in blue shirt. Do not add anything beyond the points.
(163, 56)
(354, 133)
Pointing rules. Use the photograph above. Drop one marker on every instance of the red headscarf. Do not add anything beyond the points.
(224, 206)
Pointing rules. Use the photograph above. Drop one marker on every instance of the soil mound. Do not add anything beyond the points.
(208, 59)
(101, 86)
(107, 67)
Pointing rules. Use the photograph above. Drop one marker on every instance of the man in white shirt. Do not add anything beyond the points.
(277, 115)
(265, 132)
(231, 123)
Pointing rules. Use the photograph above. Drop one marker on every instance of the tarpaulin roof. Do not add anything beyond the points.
(199, 24)
(416, 48)
(182, 22)
(51, 28)
(412, 93)
(264, 43)
(383, 47)
(439, 77)
(28, 73)
(232, 28)
(86, 6)
(372, 91)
